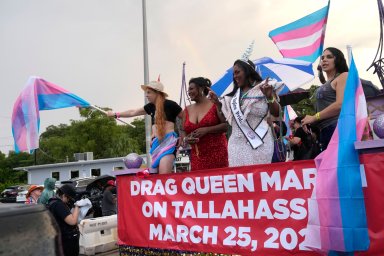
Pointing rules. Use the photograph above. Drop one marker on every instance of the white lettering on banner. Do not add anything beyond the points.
(273, 180)
(286, 238)
(263, 210)
(281, 209)
(155, 210)
(184, 214)
(299, 212)
(280, 206)
(146, 187)
(195, 234)
(309, 177)
(218, 184)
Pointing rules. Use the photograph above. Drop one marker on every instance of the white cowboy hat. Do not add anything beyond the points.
(155, 85)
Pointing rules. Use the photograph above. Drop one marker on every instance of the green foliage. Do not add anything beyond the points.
(8, 176)
(96, 133)
(307, 106)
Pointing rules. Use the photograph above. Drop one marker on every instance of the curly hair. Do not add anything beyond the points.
(160, 115)
(202, 82)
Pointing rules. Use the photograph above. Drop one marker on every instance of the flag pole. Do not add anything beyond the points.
(146, 81)
(105, 112)
(349, 52)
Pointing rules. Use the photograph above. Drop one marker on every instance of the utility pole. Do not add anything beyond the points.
(146, 81)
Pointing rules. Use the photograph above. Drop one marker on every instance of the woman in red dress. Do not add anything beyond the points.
(205, 127)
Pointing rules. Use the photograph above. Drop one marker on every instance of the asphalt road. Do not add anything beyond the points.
(109, 253)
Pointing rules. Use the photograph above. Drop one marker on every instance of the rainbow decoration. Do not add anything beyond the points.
(289, 114)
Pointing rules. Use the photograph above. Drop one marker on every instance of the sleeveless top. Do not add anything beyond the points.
(325, 96)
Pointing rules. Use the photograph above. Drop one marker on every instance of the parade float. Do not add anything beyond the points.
(325, 206)
(313, 207)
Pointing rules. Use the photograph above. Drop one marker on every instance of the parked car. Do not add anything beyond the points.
(91, 188)
(9, 194)
(22, 196)
(95, 190)
(80, 185)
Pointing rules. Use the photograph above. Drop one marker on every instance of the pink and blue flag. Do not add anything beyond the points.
(304, 38)
(37, 95)
(337, 219)
(289, 114)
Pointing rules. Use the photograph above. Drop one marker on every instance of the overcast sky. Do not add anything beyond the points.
(93, 48)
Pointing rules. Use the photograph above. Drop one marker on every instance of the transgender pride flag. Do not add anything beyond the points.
(336, 211)
(289, 114)
(304, 38)
(37, 95)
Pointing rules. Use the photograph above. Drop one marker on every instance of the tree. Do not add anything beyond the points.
(8, 176)
(97, 133)
(307, 106)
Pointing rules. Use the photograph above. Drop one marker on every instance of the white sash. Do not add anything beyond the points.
(254, 137)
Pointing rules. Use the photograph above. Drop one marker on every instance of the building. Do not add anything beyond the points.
(65, 171)
(84, 168)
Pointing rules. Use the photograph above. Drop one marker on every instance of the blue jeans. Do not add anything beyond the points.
(326, 135)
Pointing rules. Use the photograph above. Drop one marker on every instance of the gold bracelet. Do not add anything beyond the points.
(317, 116)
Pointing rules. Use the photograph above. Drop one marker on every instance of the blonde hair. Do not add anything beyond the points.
(160, 115)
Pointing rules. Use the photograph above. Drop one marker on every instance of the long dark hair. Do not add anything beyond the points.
(250, 74)
(340, 61)
(202, 82)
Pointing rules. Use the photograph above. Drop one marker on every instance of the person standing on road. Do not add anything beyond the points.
(48, 192)
(108, 205)
(34, 192)
(60, 207)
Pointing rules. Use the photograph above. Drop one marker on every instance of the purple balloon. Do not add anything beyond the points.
(133, 161)
(378, 126)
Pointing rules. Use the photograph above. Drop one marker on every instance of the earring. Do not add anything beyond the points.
(202, 93)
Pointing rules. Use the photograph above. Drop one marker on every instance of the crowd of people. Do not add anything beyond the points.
(61, 202)
(250, 112)
(247, 112)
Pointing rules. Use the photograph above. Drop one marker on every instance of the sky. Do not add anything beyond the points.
(94, 48)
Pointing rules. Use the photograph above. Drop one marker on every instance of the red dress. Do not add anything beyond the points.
(212, 150)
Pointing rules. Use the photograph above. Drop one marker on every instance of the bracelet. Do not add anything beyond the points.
(317, 116)
(272, 100)
(117, 114)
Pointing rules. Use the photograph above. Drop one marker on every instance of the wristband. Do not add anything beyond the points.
(117, 114)
(271, 100)
(317, 116)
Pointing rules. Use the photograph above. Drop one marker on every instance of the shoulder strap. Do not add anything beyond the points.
(337, 74)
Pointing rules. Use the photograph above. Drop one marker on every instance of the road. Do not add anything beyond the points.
(109, 253)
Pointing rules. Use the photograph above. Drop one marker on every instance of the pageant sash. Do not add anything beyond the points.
(254, 136)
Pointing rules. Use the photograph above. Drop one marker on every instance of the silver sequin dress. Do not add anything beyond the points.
(254, 107)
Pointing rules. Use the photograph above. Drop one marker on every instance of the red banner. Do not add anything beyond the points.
(252, 210)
